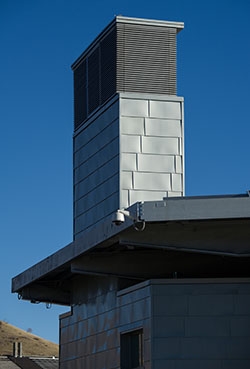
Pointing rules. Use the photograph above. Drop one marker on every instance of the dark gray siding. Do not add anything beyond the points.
(201, 325)
(96, 169)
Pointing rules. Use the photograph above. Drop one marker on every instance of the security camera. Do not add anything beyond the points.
(118, 218)
(120, 215)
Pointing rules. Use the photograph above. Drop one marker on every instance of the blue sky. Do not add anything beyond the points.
(39, 41)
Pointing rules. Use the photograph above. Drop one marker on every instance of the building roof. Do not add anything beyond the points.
(11, 362)
(204, 236)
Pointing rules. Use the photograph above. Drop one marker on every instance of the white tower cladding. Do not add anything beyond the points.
(128, 121)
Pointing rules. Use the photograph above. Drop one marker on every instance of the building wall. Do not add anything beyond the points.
(90, 336)
(96, 168)
(151, 146)
(186, 324)
(201, 325)
(130, 150)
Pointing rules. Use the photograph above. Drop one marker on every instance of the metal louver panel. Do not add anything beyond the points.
(130, 55)
(146, 59)
(108, 66)
(80, 94)
(93, 80)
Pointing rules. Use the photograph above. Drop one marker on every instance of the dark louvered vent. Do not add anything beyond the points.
(146, 59)
(80, 93)
(108, 66)
(128, 56)
(94, 80)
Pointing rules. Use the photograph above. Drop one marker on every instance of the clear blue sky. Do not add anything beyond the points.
(39, 41)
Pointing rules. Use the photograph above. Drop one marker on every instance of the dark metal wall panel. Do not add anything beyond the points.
(197, 322)
(96, 169)
(90, 337)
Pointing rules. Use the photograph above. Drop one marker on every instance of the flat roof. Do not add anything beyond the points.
(180, 233)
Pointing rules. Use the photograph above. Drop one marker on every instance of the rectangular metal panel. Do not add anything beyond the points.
(132, 126)
(101, 120)
(128, 161)
(178, 164)
(96, 214)
(107, 135)
(163, 127)
(160, 145)
(102, 191)
(139, 195)
(130, 144)
(177, 182)
(126, 180)
(151, 181)
(165, 109)
(156, 163)
(134, 107)
(97, 161)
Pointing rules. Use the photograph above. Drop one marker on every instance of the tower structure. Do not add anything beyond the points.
(128, 121)
(143, 299)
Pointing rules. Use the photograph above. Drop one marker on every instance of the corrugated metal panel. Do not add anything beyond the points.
(146, 59)
(46, 363)
(6, 363)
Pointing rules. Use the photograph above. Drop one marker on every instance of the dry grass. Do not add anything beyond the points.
(31, 345)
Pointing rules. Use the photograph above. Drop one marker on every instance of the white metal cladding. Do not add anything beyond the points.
(130, 55)
(151, 147)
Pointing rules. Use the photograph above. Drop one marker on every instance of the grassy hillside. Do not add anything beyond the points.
(32, 345)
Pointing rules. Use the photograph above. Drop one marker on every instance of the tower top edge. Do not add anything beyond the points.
(119, 19)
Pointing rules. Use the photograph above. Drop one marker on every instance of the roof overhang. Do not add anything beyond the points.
(189, 236)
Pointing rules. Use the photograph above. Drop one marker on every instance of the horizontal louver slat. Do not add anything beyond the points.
(147, 59)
